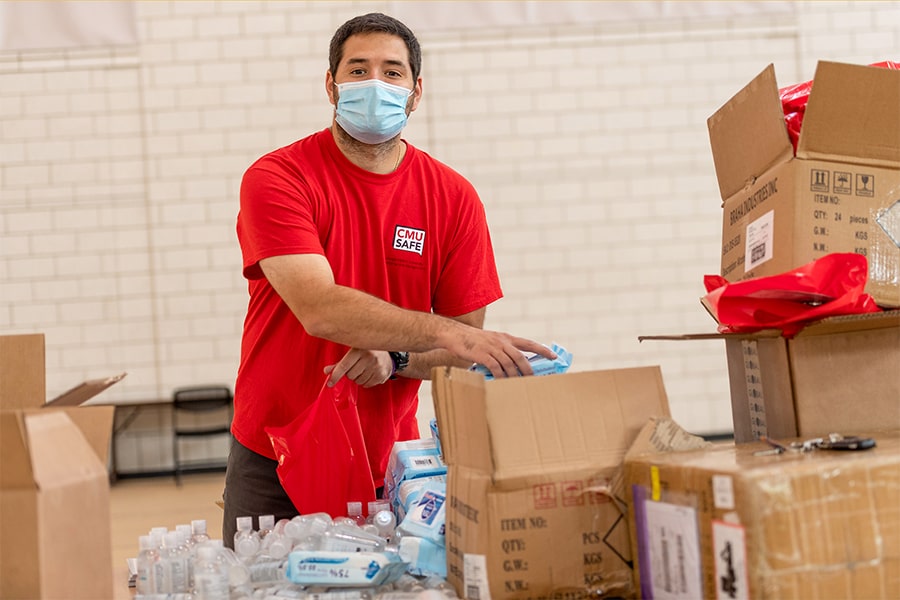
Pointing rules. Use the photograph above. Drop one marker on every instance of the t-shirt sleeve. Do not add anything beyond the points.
(276, 215)
(469, 278)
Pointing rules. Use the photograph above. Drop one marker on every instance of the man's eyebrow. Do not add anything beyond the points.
(366, 61)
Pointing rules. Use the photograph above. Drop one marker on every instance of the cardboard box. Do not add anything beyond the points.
(840, 193)
(724, 522)
(54, 484)
(839, 374)
(529, 511)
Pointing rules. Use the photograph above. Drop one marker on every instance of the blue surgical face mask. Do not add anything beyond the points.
(371, 111)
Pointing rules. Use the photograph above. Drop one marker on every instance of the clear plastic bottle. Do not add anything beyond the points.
(297, 528)
(238, 574)
(187, 534)
(385, 522)
(147, 558)
(268, 571)
(354, 511)
(210, 576)
(246, 540)
(186, 551)
(436, 582)
(276, 544)
(171, 572)
(345, 521)
(266, 525)
(350, 538)
(198, 531)
(373, 508)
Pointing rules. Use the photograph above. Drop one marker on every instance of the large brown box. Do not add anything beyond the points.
(530, 460)
(841, 373)
(724, 522)
(840, 193)
(54, 483)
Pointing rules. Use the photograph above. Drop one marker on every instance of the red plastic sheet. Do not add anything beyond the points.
(795, 97)
(322, 460)
(832, 285)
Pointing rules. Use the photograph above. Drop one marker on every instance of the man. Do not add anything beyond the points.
(366, 259)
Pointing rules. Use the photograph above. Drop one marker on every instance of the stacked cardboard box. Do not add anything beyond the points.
(839, 373)
(738, 521)
(54, 483)
(840, 193)
(529, 461)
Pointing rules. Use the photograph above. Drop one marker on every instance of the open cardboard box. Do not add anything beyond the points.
(840, 193)
(751, 524)
(530, 459)
(839, 374)
(54, 482)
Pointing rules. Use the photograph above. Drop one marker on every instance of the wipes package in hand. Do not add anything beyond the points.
(539, 364)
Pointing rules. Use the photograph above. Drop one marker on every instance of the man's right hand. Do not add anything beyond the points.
(501, 353)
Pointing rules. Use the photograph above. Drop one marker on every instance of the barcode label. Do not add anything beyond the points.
(475, 579)
(760, 238)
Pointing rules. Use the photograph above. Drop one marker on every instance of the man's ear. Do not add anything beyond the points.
(329, 87)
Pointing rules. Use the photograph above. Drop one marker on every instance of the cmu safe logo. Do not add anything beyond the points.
(409, 239)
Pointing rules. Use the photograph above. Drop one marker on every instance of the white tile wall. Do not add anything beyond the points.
(587, 141)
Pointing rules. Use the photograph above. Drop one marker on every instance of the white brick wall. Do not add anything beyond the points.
(587, 141)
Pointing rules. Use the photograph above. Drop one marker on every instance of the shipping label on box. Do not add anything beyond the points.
(531, 513)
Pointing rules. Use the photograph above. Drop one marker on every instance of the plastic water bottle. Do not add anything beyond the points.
(146, 566)
(210, 577)
(246, 540)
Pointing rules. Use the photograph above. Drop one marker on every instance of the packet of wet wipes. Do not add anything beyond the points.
(426, 513)
(539, 364)
(344, 569)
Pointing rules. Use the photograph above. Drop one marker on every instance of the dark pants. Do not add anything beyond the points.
(252, 489)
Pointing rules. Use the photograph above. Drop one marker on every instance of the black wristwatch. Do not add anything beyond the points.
(400, 360)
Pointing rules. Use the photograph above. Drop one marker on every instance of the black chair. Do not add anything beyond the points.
(200, 412)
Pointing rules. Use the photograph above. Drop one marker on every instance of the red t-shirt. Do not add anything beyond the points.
(416, 237)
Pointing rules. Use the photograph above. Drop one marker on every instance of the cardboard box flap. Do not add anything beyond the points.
(845, 323)
(852, 114)
(459, 399)
(826, 326)
(84, 391)
(22, 382)
(555, 423)
(96, 425)
(748, 135)
(15, 465)
(658, 435)
(60, 454)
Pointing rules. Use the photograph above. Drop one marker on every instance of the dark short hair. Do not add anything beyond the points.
(375, 23)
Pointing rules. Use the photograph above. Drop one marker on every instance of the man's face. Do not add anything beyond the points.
(375, 56)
